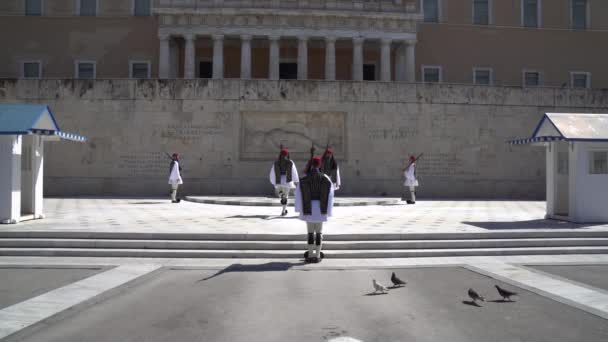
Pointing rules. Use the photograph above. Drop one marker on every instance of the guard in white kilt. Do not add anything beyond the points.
(314, 201)
(284, 177)
(410, 180)
(329, 166)
(175, 177)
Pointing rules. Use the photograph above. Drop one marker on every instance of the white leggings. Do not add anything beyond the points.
(174, 191)
(316, 228)
(412, 193)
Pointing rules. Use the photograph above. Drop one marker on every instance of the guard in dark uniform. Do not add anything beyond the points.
(314, 201)
(283, 176)
(329, 166)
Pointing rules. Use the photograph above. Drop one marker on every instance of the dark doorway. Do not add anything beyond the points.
(369, 72)
(205, 69)
(288, 71)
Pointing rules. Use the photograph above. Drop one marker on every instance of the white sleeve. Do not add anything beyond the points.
(273, 178)
(338, 182)
(330, 202)
(294, 173)
(298, 199)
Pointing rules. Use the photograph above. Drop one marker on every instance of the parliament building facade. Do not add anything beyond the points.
(226, 83)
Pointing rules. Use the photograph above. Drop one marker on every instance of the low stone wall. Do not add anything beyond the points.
(229, 132)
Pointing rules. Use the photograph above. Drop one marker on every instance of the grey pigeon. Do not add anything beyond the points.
(379, 287)
(475, 296)
(396, 281)
(504, 293)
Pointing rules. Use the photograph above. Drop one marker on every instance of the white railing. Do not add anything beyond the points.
(407, 6)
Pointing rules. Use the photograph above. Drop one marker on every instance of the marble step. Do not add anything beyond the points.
(298, 245)
(100, 234)
(342, 254)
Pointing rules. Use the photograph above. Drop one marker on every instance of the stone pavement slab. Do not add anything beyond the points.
(160, 216)
(582, 297)
(27, 313)
(289, 305)
(19, 283)
(591, 275)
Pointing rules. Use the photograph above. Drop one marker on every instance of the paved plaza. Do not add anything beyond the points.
(160, 216)
(271, 305)
(235, 300)
(560, 297)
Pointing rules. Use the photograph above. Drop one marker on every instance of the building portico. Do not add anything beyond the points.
(256, 34)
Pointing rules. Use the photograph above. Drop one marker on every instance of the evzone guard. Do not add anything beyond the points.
(329, 166)
(409, 173)
(314, 201)
(283, 176)
(175, 177)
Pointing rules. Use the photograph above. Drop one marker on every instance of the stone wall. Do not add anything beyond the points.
(229, 131)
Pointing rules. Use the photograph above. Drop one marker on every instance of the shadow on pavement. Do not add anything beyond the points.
(267, 267)
(262, 217)
(530, 224)
(284, 218)
(471, 303)
(395, 287)
(501, 301)
(375, 294)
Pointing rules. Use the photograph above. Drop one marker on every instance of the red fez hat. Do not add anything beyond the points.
(412, 158)
(175, 155)
(284, 151)
(316, 161)
(329, 151)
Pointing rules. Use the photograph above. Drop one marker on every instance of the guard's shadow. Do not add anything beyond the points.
(262, 217)
(283, 218)
(530, 224)
(375, 294)
(471, 303)
(267, 267)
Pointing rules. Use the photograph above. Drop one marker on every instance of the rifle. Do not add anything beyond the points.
(410, 164)
(312, 154)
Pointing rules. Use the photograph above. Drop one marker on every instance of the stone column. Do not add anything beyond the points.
(245, 57)
(10, 178)
(385, 60)
(218, 56)
(190, 56)
(274, 57)
(400, 62)
(37, 176)
(330, 58)
(410, 60)
(302, 58)
(163, 59)
(358, 59)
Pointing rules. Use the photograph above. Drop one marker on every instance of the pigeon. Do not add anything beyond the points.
(396, 281)
(475, 296)
(379, 287)
(504, 293)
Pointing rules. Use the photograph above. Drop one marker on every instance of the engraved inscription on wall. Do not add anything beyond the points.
(443, 165)
(189, 132)
(395, 133)
(146, 164)
(262, 133)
